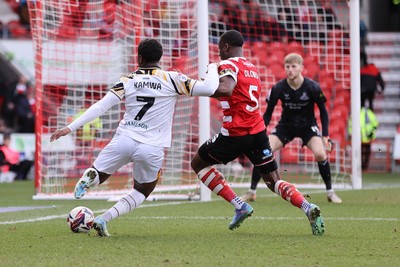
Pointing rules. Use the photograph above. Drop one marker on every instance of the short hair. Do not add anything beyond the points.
(232, 38)
(151, 50)
(294, 58)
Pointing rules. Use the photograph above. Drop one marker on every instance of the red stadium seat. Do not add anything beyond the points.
(326, 73)
(341, 99)
(289, 155)
(311, 70)
(180, 64)
(277, 70)
(336, 37)
(276, 58)
(340, 112)
(315, 49)
(273, 47)
(295, 47)
(327, 83)
(308, 156)
(213, 53)
(259, 51)
(17, 30)
(311, 59)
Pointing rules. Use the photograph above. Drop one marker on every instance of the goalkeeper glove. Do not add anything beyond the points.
(329, 145)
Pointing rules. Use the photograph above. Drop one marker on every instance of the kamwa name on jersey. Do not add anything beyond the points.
(150, 85)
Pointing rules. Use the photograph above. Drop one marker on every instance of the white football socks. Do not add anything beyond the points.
(125, 205)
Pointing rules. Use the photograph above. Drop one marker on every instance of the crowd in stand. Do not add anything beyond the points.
(307, 20)
(18, 106)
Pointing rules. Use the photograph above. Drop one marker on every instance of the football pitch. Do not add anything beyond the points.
(362, 231)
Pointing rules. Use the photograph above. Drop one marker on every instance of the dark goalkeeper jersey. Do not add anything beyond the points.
(298, 105)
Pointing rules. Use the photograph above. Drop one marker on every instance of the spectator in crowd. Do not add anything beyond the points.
(10, 160)
(327, 12)
(3, 127)
(304, 14)
(370, 79)
(287, 17)
(8, 108)
(363, 36)
(89, 131)
(23, 13)
(23, 112)
(326, 20)
(369, 125)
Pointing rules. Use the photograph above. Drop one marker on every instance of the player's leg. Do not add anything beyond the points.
(316, 145)
(365, 155)
(268, 167)
(250, 195)
(221, 149)
(371, 96)
(106, 163)
(147, 161)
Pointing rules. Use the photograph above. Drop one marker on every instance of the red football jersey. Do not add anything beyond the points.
(242, 115)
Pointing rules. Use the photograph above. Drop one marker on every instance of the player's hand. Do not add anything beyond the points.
(329, 145)
(60, 132)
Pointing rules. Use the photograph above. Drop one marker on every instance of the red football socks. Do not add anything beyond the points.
(214, 180)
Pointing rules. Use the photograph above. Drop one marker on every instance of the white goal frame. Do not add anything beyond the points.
(202, 193)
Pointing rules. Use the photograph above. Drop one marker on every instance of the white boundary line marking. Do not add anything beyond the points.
(53, 217)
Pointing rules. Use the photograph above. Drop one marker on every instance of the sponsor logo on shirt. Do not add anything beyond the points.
(287, 96)
(267, 153)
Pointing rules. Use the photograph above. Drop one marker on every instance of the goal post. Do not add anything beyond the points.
(82, 48)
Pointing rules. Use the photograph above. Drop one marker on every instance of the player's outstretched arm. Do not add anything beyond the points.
(210, 83)
(95, 111)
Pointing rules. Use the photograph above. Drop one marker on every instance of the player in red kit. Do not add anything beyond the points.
(244, 132)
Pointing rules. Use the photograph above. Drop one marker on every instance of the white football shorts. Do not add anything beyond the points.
(147, 160)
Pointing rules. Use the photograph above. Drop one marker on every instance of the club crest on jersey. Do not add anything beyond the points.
(304, 97)
(182, 77)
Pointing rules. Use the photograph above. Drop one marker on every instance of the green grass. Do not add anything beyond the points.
(363, 231)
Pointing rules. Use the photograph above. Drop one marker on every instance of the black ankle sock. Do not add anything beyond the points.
(325, 171)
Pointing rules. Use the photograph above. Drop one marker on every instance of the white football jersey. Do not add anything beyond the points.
(150, 96)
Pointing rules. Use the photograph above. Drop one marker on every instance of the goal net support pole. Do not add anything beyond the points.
(354, 6)
(204, 102)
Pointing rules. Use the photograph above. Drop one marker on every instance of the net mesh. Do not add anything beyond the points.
(83, 47)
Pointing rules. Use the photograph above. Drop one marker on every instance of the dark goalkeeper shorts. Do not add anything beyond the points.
(223, 149)
(287, 133)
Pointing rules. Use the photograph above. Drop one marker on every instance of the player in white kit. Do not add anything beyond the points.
(149, 94)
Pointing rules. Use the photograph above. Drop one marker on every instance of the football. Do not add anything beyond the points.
(80, 219)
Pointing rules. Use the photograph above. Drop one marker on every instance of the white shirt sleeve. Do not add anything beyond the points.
(96, 110)
(209, 85)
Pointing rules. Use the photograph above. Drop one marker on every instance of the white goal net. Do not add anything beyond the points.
(83, 47)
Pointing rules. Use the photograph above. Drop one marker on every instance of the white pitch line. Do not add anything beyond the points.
(53, 217)
(46, 218)
(261, 218)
